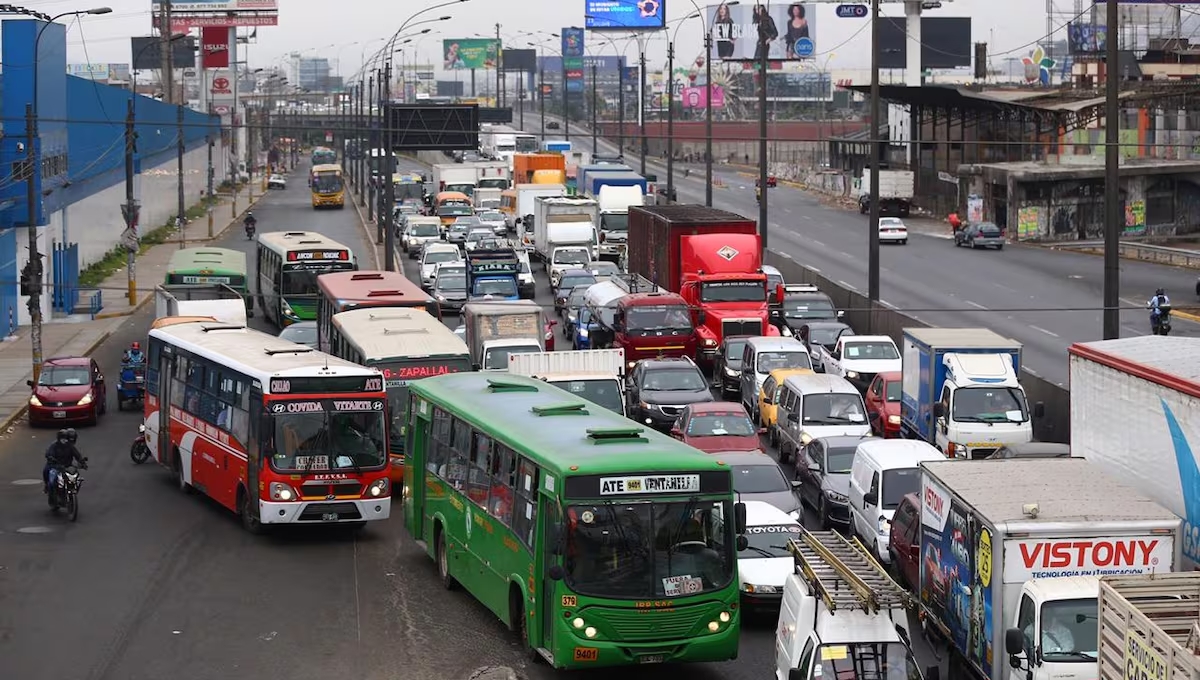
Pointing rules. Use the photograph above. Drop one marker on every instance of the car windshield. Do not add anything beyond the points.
(827, 336)
(808, 309)
(838, 459)
(496, 287)
(576, 297)
(470, 221)
(303, 333)
(765, 478)
(773, 361)
(603, 268)
(479, 234)
(651, 318)
(867, 661)
(604, 392)
(898, 483)
(893, 390)
(496, 358)
(424, 230)
(675, 380)
(1069, 631)
(989, 405)
(769, 540)
(573, 280)
(733, 353)
(571, 256)
(649, 550)
(733, 291)
(869, 350)
(837, 408)
(614, 221)
(437, 256)
(63, 376)
(491, 217)
(729, 424)
(452, 282)
(323, 439)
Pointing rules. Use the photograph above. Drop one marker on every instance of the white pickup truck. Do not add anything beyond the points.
(859, 358)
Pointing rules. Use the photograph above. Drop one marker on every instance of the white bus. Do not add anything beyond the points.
(275, 431)
(288, 264)
(405, 344)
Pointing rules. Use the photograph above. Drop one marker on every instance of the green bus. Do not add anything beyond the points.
(599, 542)
(207, 266)
(289, 263)
(323, 156)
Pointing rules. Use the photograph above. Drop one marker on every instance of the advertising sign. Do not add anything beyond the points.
(470, 53)
(214, 47)
(697, 97)
(625, 15)
(604, 63)
(89, 71)
(1104, 556)
(221, 5)
(147, 52)
(572, 57)
(181, 23)
(1086, 38)
(786, 31)
(220, 90)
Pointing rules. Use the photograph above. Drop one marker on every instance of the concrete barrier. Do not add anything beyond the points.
(866, 318)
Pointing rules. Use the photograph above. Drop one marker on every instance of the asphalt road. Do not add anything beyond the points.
(939, 284)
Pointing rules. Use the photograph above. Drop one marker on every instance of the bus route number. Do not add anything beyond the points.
(570, 601)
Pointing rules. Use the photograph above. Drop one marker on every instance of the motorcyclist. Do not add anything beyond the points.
(250, 221)
(134, 354)
(1159, 306)
(61, 454)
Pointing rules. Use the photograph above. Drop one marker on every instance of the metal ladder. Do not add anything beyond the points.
(844, 574)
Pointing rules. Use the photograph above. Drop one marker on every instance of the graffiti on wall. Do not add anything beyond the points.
(1135, 218)
(1027, 223)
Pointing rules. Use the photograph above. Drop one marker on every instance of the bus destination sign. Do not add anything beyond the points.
(330, 385)
(317, 255)
(667, 483)
(616, 486)
(206, 280)
(397, 376)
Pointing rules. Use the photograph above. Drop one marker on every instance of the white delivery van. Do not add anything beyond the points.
(883, 472)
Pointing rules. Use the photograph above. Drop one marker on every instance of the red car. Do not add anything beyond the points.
(904, 542)
(69, 390)
(716, 427)
(883, 405)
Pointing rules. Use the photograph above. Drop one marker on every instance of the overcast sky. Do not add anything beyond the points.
(342, 29)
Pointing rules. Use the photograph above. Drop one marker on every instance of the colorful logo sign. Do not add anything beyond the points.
(1038, 66)
(470, 53)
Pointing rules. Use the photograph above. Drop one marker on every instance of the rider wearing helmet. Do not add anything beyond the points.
(250, 220)
(61, 454)
(134, 355)
(1159, 305)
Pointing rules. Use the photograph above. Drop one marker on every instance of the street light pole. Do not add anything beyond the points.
(542, 98)
(873, 143)
(708, 116)
(1112, 179)
(595, 140)
(621, 105)
(671, 119)
(642, 100)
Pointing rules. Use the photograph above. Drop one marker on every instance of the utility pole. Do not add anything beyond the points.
(595, 104)
(621, 106)
(708, 116)
(389, 186)
(130, 209)
(181, 147)
(566, 99)
(642, 100)
(363, 149)
(209, 142)
(542, 98)
(499, 70)
(873, 143)
(762, 142)
(1112, 178)
(372, 143)
(671, 121)
(35, 270)
(167, 56)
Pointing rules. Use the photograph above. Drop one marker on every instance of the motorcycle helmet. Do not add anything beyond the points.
(1160, 291)
(135, 346)
(72, 435)
(64, 436)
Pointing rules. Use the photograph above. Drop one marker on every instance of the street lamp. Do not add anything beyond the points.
(36, 270)
(708, 104)
(671, 106)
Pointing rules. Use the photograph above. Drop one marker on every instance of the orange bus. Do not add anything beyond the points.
(342, 291)
(274, 431)
(450, 205)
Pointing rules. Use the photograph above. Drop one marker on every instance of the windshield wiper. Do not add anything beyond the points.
(764, 552)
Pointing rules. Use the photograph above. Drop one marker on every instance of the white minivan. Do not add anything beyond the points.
(814, 405)
(883, 472)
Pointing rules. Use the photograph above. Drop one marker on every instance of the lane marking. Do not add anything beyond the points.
(846, 285)
(815, 269)
(975, 305)
(889, 305)
(1043, 330)
(815, 242)
(27, 482)
(35, 530)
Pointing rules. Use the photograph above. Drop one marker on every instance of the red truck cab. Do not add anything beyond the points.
(713, 259)
(651, 325)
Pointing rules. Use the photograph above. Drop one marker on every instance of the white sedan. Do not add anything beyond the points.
(276, 182)
(892, 230)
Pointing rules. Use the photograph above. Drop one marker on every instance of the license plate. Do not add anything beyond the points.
(329, 517)
(60, 414)
(652, 658)
(139, 379)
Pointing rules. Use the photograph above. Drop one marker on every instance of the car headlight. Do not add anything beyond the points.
(762, 590)
(835, 496)
(709, 342)
(282, 492)
(730, 372)
(34, 401)
(885, 525)
(893, 420)
(797, 514)
(87, 399)
(379, 488)
(805, 438)
(648, 407)
(583, 332)
(851, 374)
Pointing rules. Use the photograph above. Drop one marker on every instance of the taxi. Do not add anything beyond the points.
(767, 397)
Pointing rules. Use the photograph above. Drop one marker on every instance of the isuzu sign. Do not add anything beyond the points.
(1105, 556)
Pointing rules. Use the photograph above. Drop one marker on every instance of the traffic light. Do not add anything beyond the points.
(29, 283)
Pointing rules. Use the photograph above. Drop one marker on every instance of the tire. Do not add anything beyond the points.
(72, 507)
(443, 562)
(94, 420)
(903, 241)
(180, 480)
(520, 629)
(772, 437)
(139, 454)
(250, 523)
(120, 403)
(784, 456)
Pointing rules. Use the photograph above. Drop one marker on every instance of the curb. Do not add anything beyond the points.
(12, 418)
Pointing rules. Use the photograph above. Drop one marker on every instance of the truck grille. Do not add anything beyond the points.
(670, 410)
(731, 327)
(981, 454)
(323, 489)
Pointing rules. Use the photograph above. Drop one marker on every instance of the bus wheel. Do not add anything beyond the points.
(180, 478)
(443, 561)
(249, 522)
(520, 622)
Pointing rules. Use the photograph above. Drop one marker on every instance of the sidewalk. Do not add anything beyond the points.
(79, 334)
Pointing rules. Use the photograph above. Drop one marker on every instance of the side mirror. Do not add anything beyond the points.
(675, 432)
(556, 572)
(762, 431)
(1014, 642)
(796, 483)
(739, 518)
(841, 313)
(813, 467)
(871, 498)
(742, 543)
(779, 293)
(793, 417)
(29, 382)
(939, 410)
(1039, 410)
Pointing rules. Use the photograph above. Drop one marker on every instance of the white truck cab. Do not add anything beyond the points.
(982, 405)
(842, 616)
(858, 358)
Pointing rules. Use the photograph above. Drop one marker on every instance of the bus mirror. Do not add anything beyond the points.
(742, 543)
(556, 572)
(739, 515)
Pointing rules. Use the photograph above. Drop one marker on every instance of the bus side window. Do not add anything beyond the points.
(439, 448)
(152, 362)
(500, 499)
(478, 481)
(180, 385)
(525, 510)
(460, 447)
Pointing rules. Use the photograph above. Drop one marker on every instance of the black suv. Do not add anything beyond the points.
(660, 388)
(727, 367)
(802, 304)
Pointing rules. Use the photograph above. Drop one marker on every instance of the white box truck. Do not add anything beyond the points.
(1021, 544)
(896, 189)
(1135, 412)
(497, 330)
(565, 232)
(526, 195)
(1148, 627)
(615, 202)
(597, 375)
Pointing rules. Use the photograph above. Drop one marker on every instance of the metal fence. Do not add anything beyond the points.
(866, 318)
(64, 267)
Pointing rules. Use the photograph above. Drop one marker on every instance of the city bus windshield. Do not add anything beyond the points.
(300, 282)
(649, 549)
(398, 373)
(310, 435)
(327, 182)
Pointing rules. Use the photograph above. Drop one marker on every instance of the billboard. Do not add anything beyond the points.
(89, 71)
(786, 31)
(442, 127)
(219, 82)
(185, 6)
(214, 47)
(572, 42)
(625, 15)
(1085, 38)
(696, 97)
(181, 23)
(945, 42)
(470, 53)
(572, 59)
(519, 60)
(605, 64)
(147, 53)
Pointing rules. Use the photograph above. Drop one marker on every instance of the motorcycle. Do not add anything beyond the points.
(250, 227)
(1161, 324)
(140, 450)
(64, 493)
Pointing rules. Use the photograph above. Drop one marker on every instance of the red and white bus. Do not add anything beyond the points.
(342, 291)
(275, 431)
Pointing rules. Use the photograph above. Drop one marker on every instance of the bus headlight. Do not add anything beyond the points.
(578, 622)
(282, 492)
(725, 617)
(378, 488)
(713, 626)
(590, 632)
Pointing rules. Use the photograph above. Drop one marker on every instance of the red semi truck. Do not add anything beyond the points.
(713, 259)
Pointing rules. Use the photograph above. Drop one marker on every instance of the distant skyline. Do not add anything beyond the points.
(344, 32)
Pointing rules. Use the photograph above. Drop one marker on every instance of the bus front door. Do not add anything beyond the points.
(550, 555)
